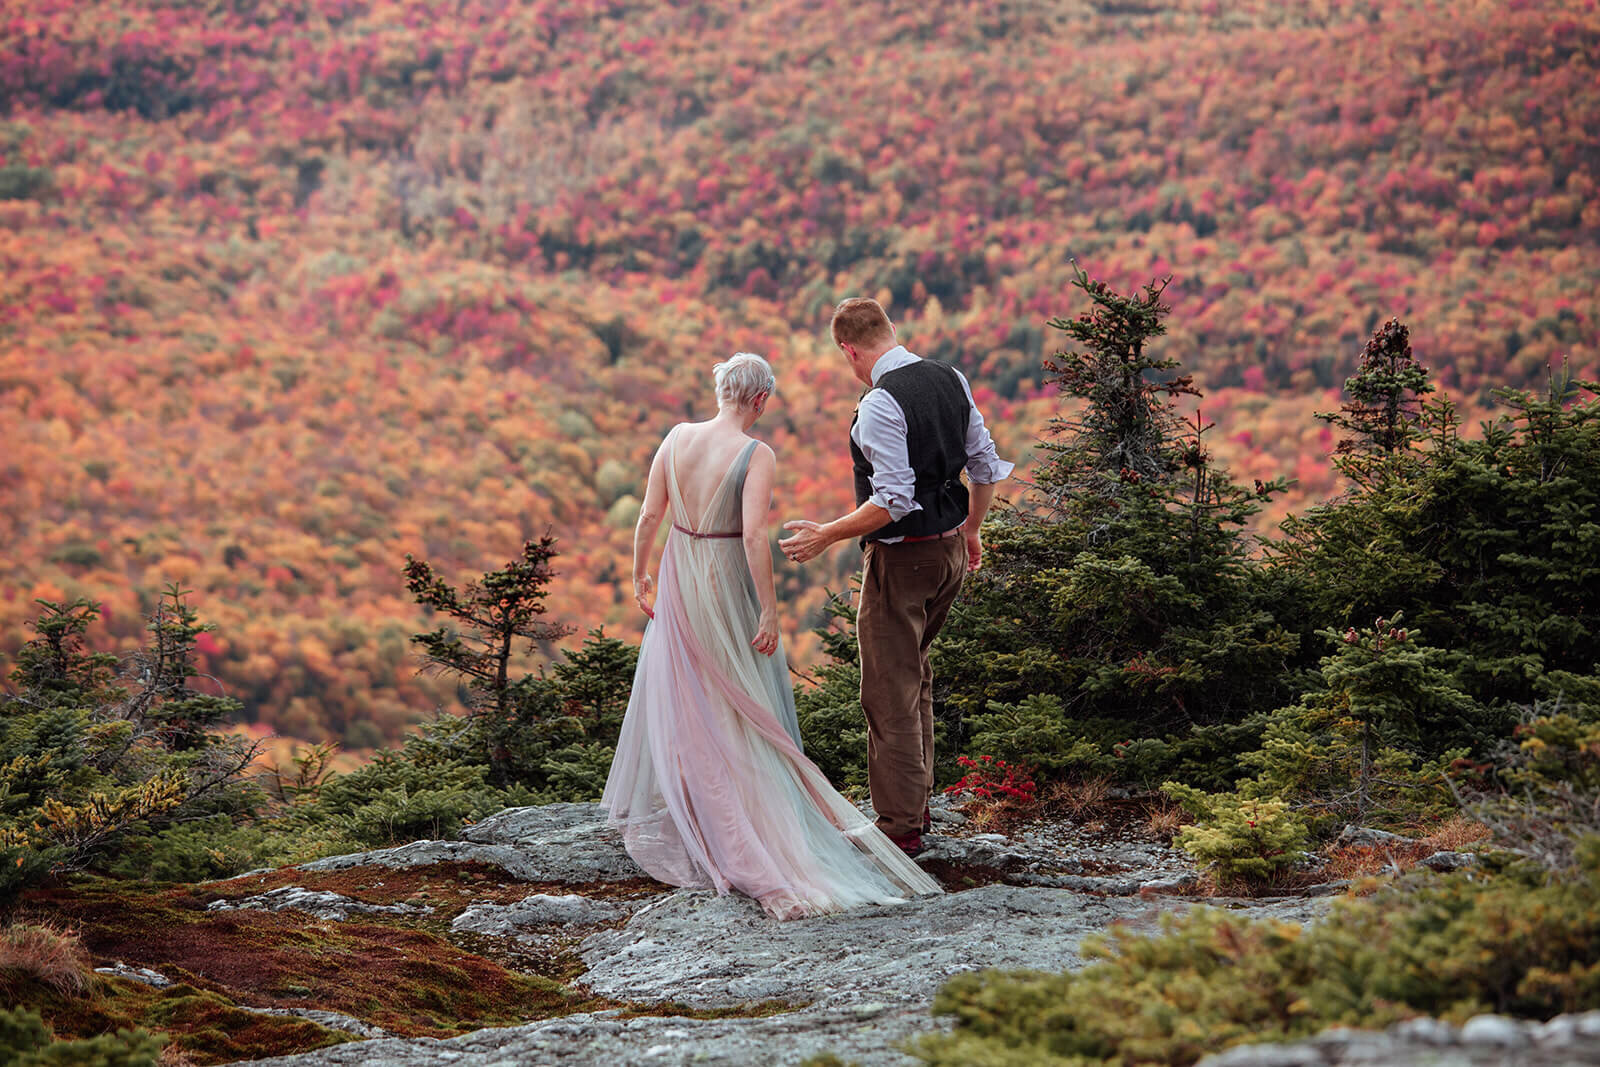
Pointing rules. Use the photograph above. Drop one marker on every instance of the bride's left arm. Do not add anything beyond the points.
(651, 514)
(756, 504)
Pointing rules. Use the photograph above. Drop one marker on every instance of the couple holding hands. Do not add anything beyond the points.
(710, 786)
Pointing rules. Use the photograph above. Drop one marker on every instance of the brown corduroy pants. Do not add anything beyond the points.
(906, 592)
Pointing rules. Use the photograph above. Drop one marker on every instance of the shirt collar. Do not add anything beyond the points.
(893, 359)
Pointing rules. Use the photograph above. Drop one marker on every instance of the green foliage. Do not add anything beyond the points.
(1542, 798)
(832, 724)
(1386, 394)
(215, 846)
(1443, 946)
(494, 613)
(55, 669)
(1036, 731)
(1125, 432)
(553, 742)
(598, 678)
(25, 1041)
(1129, 594)
(1243, 840)
(1373, 733)
(425, 789)
(165, 704)
(578, 772)
(85, 765)
(18, 181)
(1489, 546)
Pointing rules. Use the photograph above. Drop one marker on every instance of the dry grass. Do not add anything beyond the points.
(173, 1056)
(1162, 819)
(995, 816)
(44, 954)
(1456, 833)
(1077, 797)
(1364, 861)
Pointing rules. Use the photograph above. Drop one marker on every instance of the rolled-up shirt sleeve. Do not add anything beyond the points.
(984, 465)
(880, 432)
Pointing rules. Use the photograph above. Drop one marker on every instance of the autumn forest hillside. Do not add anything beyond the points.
(292, 288)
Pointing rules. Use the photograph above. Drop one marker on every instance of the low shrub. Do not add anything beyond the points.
(1520, 942)
(1243, 841)
(25, 1041)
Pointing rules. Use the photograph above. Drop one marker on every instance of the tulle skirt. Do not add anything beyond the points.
(709, 786)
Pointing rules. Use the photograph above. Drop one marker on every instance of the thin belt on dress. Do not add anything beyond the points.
(692, 533)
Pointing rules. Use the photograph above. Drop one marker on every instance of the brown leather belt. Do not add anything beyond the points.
(931, 537)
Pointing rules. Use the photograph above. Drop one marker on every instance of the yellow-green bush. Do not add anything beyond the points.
(1518, 942)
(1240, 839)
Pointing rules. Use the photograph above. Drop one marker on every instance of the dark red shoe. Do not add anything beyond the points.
(910, 844)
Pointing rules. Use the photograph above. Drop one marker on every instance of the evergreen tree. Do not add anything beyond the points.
(1364, 738)
(493, 614)
(1384, 410)
(1491, 546)
(1124, 434)
(54, 669)
(1126, 586)
(87, 766)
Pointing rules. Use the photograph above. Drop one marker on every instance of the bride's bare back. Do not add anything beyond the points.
(702, 453)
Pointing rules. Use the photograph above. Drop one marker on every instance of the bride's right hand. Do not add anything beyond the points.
(641, 591)
(766, 638)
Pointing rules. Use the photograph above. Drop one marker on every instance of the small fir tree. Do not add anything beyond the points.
(1124, 434)
(55, 669)
(1384, 411)
(1492, 546)
(88, 769)
(494, 613)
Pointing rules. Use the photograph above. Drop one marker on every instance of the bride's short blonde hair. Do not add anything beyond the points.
(743, 378)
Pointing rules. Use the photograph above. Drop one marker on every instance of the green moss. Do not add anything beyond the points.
(205, 1027)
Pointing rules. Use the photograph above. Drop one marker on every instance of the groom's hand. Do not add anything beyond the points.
(974, 549)
(807, 542)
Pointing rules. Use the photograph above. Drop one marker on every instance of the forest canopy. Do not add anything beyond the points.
(301, 286)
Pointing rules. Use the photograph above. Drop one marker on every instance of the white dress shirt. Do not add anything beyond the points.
(880, 433)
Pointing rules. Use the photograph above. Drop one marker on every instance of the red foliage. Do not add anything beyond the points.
(307, 286)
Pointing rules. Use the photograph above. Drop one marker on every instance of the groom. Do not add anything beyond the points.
(915, 430)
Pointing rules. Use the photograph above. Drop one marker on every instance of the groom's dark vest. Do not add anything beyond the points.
(937, 412)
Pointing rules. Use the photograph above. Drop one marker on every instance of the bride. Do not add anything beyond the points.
(709, 786)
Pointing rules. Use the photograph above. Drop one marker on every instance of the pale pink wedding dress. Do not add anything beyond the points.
(709, 786)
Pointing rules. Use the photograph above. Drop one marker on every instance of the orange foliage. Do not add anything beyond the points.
(300, 286)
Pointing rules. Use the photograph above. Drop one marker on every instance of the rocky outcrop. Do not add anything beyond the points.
(538, 911)
(1483, 1041)
(142, 975)
(317, 903)
(858, 984)
(565, 843)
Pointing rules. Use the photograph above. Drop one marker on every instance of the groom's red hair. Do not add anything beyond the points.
(860, 321)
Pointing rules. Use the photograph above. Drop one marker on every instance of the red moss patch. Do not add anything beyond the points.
(410, 982)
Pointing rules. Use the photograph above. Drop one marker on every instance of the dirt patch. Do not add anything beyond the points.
(956, 877)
